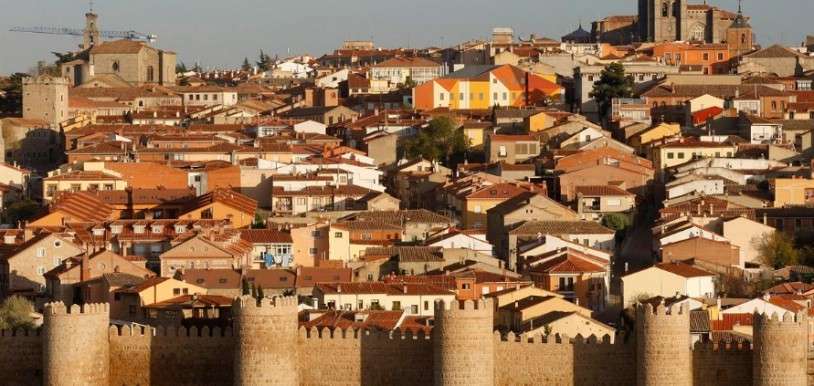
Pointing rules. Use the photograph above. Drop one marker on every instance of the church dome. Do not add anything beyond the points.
(580, 35)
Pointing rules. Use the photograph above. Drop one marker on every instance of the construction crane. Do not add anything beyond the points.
(129, 35)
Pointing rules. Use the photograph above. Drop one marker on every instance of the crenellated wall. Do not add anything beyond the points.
(76, 347)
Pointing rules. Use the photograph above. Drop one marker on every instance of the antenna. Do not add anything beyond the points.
(91, 6)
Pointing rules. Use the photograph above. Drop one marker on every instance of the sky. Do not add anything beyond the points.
(220, 33)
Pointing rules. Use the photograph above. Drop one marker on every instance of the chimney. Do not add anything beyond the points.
(405, 289)
(339, 288)
(84, 273)
(28, 233)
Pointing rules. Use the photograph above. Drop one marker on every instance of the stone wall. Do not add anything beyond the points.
(364, 357)
(140, 357)
(557, 360)
(20, 357)
(76, 346)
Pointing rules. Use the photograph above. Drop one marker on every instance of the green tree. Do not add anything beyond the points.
(15, 312)
(264, 62)
(181, 68)
(260, 293)
(21, 210)
(11, 103)
(259, 222)
(616, 221)
(613, 83)
(246, 66)
(438, 141)
(777, 250)
(244, 284)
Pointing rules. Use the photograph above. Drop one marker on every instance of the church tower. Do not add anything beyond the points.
(90, 36)
(739, 36)
(662, 20)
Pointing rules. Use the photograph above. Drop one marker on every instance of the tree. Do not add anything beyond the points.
(245, 287)
(258, 223)
(21, 210)
(616, 221)
(260, 293)
(438, 141)
(15, 312)
(264, 62)
(613, 83)
(11, 103)
(246, 65)
(180, 68)
(777, 250)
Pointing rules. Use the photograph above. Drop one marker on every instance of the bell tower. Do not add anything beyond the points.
(90, 36)
(739, 36)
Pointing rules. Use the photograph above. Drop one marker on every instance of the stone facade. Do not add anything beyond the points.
(670, 20)
(45, 98)
(78, 348)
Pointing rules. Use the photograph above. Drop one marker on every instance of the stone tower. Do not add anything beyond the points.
(266, 347)
(45, 98)
(75, 345)
(739, 36)
(463, 350)
(663, 353)
(662, 20)
(780, 350)
(90, 36)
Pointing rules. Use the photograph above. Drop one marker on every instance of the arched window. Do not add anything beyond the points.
(698, 33)
(150, 74)
(665, 9)
(116, 66)
(743, 38)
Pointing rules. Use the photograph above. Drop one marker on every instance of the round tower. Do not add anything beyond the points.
(266, 350)
(779, 356)
(663, 355)
(463, 347)
(75, 349)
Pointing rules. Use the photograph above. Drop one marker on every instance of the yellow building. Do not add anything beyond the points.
(655, 133)
(158, 289)
(477, 203)
(686, 150)
(222, 204)
(793, 192)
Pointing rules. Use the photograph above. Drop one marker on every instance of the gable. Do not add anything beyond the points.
(196, 247)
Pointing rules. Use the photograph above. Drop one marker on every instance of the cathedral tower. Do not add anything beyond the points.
(739, 36)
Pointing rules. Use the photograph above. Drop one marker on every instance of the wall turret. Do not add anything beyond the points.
(75, 346)
(463, 345)
(780, 350)
(663, 346)
(266, 346)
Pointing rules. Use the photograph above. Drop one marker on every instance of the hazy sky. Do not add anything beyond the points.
(222, 32)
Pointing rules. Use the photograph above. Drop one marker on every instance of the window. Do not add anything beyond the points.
(115, 66)
(461, 96)
(360, 305)
(441, 96)
(312, 251)
(466, 286)
(774, 105)
(337, 235)
(720, 56)
(665, 9)
(150, 74)
(681, 155)
(176, 291)
(501, 151)
(108, 187)
(426, 305)
(40, 252)
(396, 306)
(670, 155)
(566, 284)
(505, 96)
(414, 309)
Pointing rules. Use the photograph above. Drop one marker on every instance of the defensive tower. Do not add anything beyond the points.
(463, 346)
(266, 346)
(75, 345)
(780, 350)
(663, 353)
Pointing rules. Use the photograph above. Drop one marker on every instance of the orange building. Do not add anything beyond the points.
(711, 58)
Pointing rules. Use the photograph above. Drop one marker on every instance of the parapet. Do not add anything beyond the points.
(161, 331)
(45, 79)
(483, 307)
(277, 305)
(786, 319)
(361, 333)
(59, 308)
(647, 311)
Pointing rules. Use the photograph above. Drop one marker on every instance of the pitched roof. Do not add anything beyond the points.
(684, 270)
(82, 207)
(561, 228)
(259, 236)
(567, 263)
(383, 288)
(400, 61)
(773, 52)
(602, 190)
(309, 276)
(497, 191)
(192, 301)
(118, 47)
(227, 197)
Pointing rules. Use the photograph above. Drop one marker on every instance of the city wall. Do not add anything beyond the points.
(67, 352)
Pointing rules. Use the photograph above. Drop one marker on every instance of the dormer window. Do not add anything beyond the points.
(138, 229)
(98, 232)
(180, 228)
(157, 228)
(9, 239)
(116, 229)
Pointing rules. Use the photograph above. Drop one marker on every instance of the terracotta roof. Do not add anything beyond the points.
(407, 62)
(403, 216)
(82, 207)
(213, 278)
(567, 263)
(409, 253)
(307, 277)
(729, 321)
(602, 190)
(497, 191)
(142, 196)
(226, 197)
(684, 270)
(382, 288)
(193, 301)
(260, 236)
(272, 278)
(79, 175)
(790, 288)
(118, 47)
(701, 116)
(561, 228)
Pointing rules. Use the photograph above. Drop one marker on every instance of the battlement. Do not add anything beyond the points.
(181, 332)
(59, 308)
(45, 79)
(647, 311)
(787, 318)
(722, 346)
(465, 307)
(361, 333)
(277, 305)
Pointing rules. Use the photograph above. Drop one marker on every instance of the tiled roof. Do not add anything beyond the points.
(118, 47)
(729, 321)
(213, 278)
(193, 301)
(307, 277)
(561, 228)
(409, 253)
(567, 263)
(497, 191)
(142, 196)
(383, 288)
(404, 216)
(259, 236)
(602, 190)
(699, 321)
(226, 197)
(684, 270)
(78, 175)
(82, 207)
(272, 278)
(407, 62)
